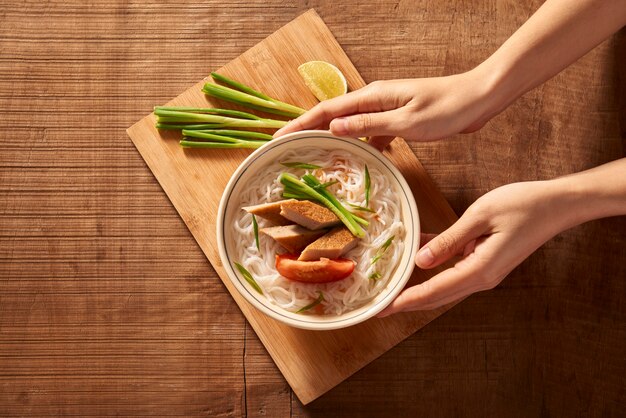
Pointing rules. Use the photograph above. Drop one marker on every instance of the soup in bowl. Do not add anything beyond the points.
(318, 231)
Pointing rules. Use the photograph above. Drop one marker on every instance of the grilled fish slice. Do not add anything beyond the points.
(308, 214)
(293, 237)
(269, 211)
(332, 245)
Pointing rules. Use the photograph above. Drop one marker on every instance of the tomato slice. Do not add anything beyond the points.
(323, 271)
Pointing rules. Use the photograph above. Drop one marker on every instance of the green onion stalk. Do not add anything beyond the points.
(315, 183)
(225, 134)
(225, 128)
(168, 116)
(382, 250)
(310, 188)
(248, 97)
(248, 278)
(185, 143)
(296, 164)
(206, 139)
(320, 299)
(201, 127)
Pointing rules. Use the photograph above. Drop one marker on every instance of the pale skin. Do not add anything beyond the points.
(506, 225)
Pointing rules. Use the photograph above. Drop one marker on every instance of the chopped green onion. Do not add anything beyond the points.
(329, 183)
(174, 116)
(375, 276)
(237, 134)
(239, 86)
(248, 277)
(187, 126)
(210, 111)
(255, 227)
(276, 106)
(203, 144)
(287, 195)
(204, 136)
(382, 249)
(295, 186)
(292, 192)
(367, 186)
(252, 101)
(361, 208)
(314, 183)
(313, 304)
(360, 220)
(296, 164)
(209, 137)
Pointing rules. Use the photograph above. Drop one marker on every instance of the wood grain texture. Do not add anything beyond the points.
(312, 362)
(91, 248)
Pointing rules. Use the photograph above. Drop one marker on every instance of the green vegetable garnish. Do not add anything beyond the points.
(248, 277)
(315, 183)
(329, 183)
(309, 188)
(292, 193)
(216, 120)
(239, 144)
(250, 98)
(236, 134)
(362, 208)
(235, 84)
(207, 110)
(367, 186)
(195, 127)
(255, 227)
(216, 123)
(209, 137)
(313, 304)
(382, 249)
(300, 165)
(221, 139)
(375, 275)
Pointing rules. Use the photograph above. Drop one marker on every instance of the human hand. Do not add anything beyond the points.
(416, 109)
(434, 108)
(494, 235)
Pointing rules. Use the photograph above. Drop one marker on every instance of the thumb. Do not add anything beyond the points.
(450, 242)
(364, 124)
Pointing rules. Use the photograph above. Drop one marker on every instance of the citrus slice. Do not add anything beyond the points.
(323, 79)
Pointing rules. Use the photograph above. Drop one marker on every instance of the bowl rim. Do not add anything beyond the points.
(367, 311)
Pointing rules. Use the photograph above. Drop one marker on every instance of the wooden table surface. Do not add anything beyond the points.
(108, 306)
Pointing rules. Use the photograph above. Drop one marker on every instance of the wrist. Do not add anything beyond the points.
(592, 194)
(499, 86)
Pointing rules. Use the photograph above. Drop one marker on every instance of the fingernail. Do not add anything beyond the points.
(280, 131)
(424, 257)
(339, 126)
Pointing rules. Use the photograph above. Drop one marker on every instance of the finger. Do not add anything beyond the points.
(380, 142)
(465, 278)
(467, 250)
(372, 98)
(321, 114)
(450, 242)
(366, 124)
(301, 123)
(426, 238)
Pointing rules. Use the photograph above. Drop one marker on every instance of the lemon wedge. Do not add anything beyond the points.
(323, 79)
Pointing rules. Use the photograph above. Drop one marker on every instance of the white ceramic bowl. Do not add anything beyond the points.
(230, 208)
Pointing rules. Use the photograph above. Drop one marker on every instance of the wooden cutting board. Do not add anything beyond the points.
(312, 362)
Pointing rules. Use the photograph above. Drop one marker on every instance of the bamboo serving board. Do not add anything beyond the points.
(312, 362)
